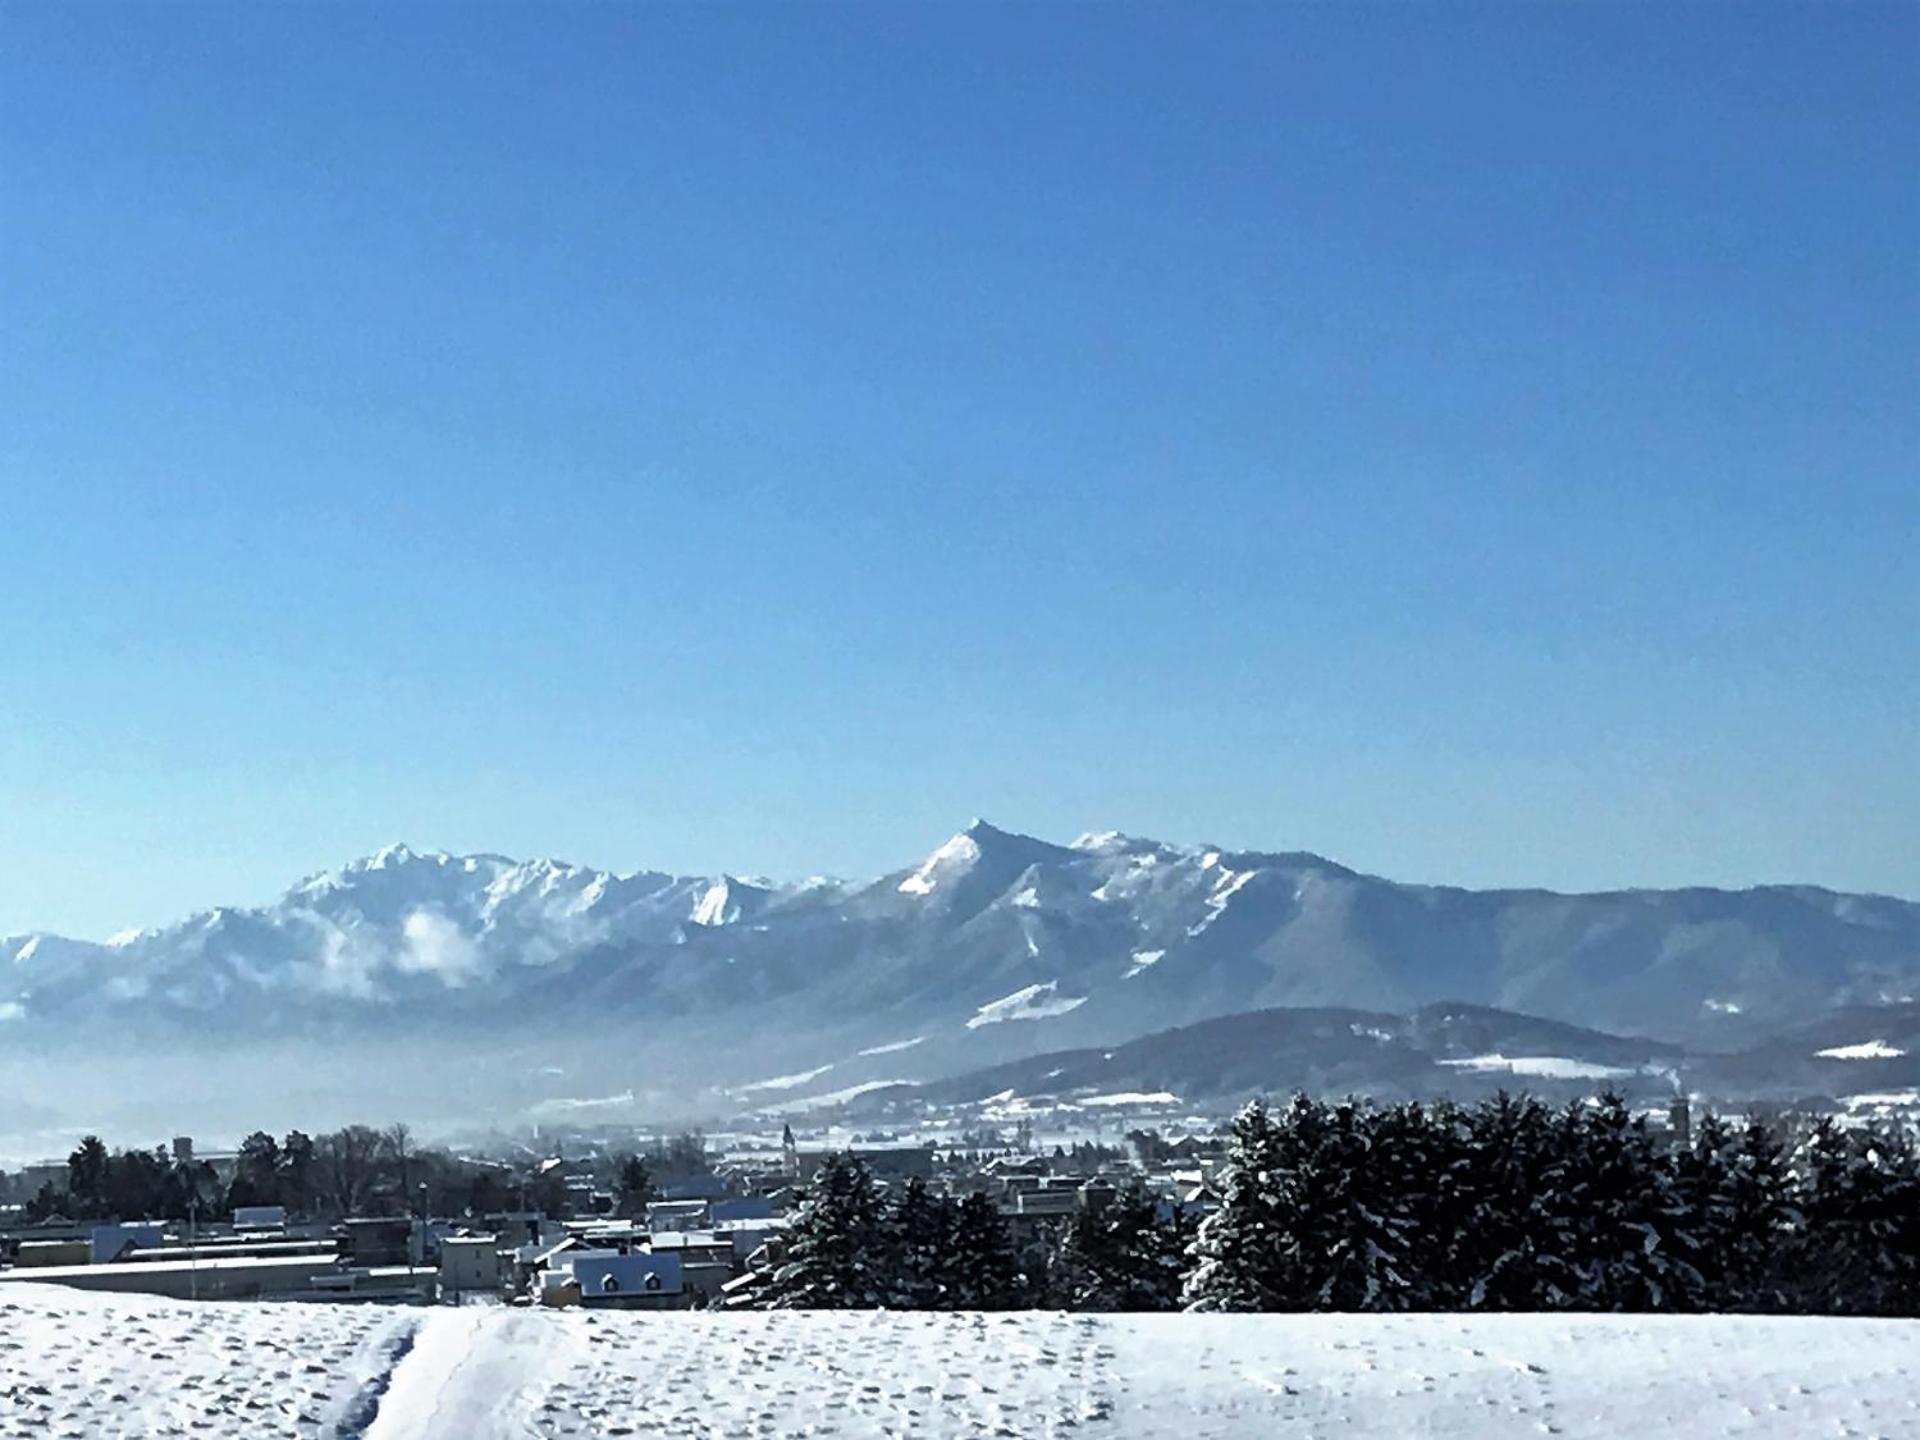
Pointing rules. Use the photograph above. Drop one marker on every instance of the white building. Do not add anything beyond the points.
(470, 1264)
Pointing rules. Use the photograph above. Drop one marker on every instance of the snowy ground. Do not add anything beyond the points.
(74, 1364)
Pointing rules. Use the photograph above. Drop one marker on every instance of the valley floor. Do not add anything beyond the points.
(74, 1364)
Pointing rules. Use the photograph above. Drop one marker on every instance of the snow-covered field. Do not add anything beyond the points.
(76, 1364)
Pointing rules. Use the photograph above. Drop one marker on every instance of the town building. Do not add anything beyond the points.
(470, 1265)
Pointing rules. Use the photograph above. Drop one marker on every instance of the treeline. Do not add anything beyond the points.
(134, 1184)
(356, 1170)
(1509, 1205)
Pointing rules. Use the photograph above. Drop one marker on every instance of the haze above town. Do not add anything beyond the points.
(1479, 447)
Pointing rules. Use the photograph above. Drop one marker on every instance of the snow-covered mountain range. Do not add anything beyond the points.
(1110, 934)
(993, 947)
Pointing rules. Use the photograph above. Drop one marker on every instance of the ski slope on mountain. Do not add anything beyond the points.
(81, 1365)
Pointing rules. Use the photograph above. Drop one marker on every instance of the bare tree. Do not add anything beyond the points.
(397, 1141)
(349, 1162)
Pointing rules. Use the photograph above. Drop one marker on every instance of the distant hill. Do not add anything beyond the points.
(1455, 1050)
(1460, 1051)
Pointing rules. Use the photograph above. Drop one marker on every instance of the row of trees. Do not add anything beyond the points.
(852, 1246)
(1513, 1206)
(134, 1184)
(1508, 1205)
(355, 1170)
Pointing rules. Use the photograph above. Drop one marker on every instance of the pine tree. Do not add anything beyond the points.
(922, 1229)
(1704, 1169)
(1235, 1254)
(1896, 1152)
(1735, 1186)
(1124, 1256)
(298, 1159)
(835, 1252)
(1633, 1249)
(257, 1181)
(88, 1177)
(1429, 1152)
(1825, 1265)
(1765, 1222)
(980, 1270)
(1860, 1253)
(1399, 1211)
(1513, 1249)
(636, 1187)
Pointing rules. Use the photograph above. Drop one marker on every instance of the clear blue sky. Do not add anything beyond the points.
(1477, 444)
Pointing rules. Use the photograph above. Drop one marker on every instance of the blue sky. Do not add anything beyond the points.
(1475, 443)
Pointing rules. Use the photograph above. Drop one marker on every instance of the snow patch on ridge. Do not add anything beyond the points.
(571, 1105)
(789, 1082)
(1549, 1067)
(1130, 1097)
(717, 906)
(1883, 1100)
(1035, 1002)
(1224, 889)
(833, 1097)
(1143, 960)
(1865, 1050)
(891, 1048)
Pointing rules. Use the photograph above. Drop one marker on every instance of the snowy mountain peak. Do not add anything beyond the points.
(1118, 842)
(985, 833)
(950, 860)
(728, 900)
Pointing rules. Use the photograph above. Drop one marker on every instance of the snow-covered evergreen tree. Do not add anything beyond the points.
(1896, 1236)
(980, 1270)
(1860, 1192)
(1430, 1156)
(921, 1231)
(1126, 1256)
(1414, 1169)
(1494, 1252)
(1737, 1191)
(1634, 1249)
(1236, 1253)
(836, 1254)
(1349, 1244)
(1765, 1220)
(1510, 1233)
